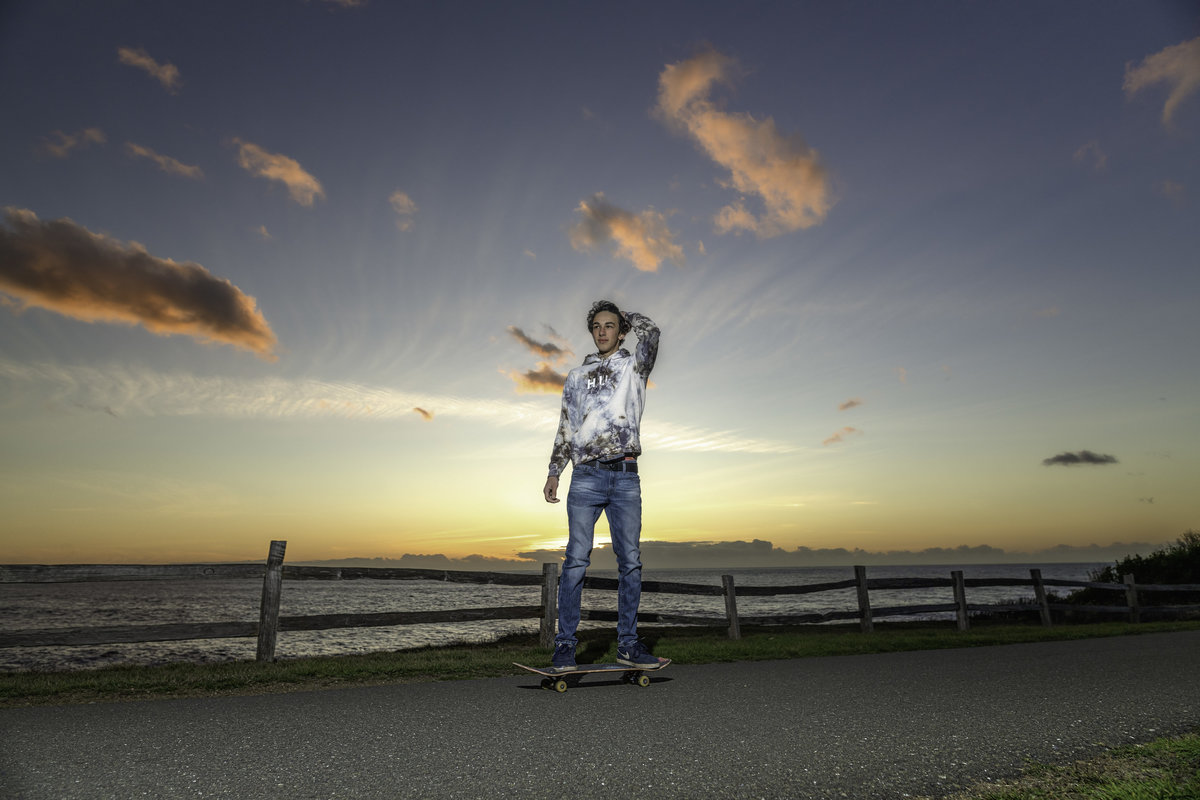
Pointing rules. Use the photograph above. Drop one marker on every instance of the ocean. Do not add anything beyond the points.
(81, 605)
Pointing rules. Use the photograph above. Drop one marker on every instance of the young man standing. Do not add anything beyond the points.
(602, 405)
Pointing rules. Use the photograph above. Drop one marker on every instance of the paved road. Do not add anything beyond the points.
(879, 726)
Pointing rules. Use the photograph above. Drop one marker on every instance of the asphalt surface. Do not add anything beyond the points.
(862, 727)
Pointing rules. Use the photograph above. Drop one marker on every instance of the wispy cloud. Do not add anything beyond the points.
(166, 74)
(549, 350)
(140, 392)
(902, 374)
(1082, 457)
(668, 436)
(132, 392)
(781, 170)
(853, 402)
(167, 164)
(643, 238)
(302, 186)
(1177, 66)
(1091, 155)
(60, 144)
(404, 207)
(840, 436)
(1172, 191)
(64, 267)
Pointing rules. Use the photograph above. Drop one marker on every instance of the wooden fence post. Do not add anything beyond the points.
(864, 600)
(549, 605)
(735, 628)
(268, 612)
(1131, 598)
(960, 599)
(1039, 591)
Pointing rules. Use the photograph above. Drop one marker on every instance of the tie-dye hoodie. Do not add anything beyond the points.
(602, 402)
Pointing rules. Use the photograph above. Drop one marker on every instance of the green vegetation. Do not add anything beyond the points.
(1165, 769)
(1177, 563)
(686, 645)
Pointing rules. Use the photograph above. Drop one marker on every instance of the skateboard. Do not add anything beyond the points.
(557, 679)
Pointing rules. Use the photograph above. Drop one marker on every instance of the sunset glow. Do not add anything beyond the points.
(926, 274)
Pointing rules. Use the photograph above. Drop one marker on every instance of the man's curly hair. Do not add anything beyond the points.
(607, 305)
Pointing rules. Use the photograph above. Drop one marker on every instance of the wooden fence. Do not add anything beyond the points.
(273, 572)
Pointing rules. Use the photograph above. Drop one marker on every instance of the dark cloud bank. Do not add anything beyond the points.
(759, 554)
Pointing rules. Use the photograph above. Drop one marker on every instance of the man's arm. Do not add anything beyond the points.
(647, 346)
(560, 454)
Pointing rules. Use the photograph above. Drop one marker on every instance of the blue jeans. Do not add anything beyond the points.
(619, 496)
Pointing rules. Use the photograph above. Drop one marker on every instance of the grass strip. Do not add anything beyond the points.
(1165, 769)
(494, 659)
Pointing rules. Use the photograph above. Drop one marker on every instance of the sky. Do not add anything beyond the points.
(925, 272)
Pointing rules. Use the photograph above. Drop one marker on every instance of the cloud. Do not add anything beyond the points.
(64, 143)
(902, 374)
(548, 350)
(529, 254)
(1082, 457)
(262, 231)
(1092, 155)
(1172, 191)
(644, 239)
(840, 435)
(165, 163)
(64, 267)
(302, 186)
(139, 392)
(543, 380)
(404, 207)
(166, 74)
(853, 402)
(1177, 66)
(782, 171)
(1049, 312)
(426, 415)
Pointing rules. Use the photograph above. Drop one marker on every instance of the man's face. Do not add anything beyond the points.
(606, 333)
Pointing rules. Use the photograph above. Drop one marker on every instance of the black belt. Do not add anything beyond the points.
(617, 465)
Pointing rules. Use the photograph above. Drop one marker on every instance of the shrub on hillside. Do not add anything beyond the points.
(1176, 563)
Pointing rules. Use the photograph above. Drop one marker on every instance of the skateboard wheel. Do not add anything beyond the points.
(560, 686)
(643, 681)
(546, 683)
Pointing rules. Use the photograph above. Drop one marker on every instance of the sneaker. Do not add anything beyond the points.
(636, 655)
(564, 656)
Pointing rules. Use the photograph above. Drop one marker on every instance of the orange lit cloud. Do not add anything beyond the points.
(426, 415)
(166, 74)
(64, 267)
(782, 171)
(404, 207)
(841, 435)
(543, 380)
(302, 186)
(63, 143)
(1177, 66)
(644, 239)
(165, 163)
(853, 402)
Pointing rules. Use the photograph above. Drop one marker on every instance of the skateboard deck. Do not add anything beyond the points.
(558, 679)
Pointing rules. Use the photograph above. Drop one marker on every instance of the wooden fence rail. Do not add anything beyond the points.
(274, 571)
